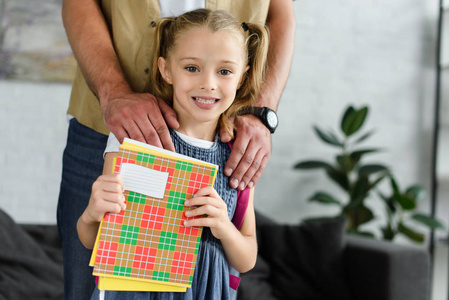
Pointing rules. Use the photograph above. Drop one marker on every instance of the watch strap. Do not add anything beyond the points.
(261, 113)
(253, 110)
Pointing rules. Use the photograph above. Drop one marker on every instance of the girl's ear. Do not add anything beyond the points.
(163, 69)
(243, 77)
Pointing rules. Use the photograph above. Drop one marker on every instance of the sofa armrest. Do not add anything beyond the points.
(382, 270)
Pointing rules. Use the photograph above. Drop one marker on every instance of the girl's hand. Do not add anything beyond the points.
(107, 196)
(213, 208)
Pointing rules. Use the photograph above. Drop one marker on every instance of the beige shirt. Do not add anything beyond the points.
(129, 23)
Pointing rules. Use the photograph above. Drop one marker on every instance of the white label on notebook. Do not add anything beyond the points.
(144, 180)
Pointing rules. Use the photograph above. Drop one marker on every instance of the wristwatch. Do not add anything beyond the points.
(268, 116)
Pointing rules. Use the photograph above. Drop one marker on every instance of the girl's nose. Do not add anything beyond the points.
(208, 82)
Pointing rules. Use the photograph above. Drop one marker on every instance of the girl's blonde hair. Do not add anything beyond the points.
(255, 43)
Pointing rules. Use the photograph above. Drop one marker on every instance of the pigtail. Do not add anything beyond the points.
(257, 46)
(156, 84)
(257, 43)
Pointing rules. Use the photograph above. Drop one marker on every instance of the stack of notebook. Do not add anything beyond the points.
(146, 247)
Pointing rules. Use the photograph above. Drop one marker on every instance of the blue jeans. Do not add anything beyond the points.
(82, 164)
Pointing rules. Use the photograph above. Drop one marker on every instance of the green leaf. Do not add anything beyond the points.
(382, 196)
(339, 177)
(388, 202)
(359, 215)
(357, 155)
(354, 203)
(312, 164)
(428, 221)
(360, 189)
(345, 163)
(416, 191)
(324, 198)
(353, 120)
(365, 215)
(349, 161)
(367, 170)
(405, 201)
(364, 137)
(388, 233)
(328, 137)
(378, 180)
(394, 185)
(410, 233)
(348, 114)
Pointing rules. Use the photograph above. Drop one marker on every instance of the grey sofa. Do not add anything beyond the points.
(30, 261)
(311, 261)
(318, 261)
(382, 270)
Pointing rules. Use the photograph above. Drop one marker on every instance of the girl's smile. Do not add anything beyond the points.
(206, 103)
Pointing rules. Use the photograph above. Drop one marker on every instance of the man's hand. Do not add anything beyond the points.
(142, 117)
(250, 153)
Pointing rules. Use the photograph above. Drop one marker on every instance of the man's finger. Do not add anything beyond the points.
(160, 132)
(134, 131)
(168, 113)
(246, 163)
(259, 172)
(225, 136)
(120, 133)
(238, 151)
(252, 169)
(255, 170)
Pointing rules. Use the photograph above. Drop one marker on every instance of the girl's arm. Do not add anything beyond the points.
(241, 251)
(240, 246)
(106, 196)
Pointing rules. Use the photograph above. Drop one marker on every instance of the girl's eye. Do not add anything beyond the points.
(224, 72)
(192, 69)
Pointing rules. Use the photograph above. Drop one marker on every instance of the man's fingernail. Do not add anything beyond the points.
(242, 185)
(228, 172)
(251, 184)
(234, 183)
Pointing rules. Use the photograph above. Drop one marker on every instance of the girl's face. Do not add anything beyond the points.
(206, 70)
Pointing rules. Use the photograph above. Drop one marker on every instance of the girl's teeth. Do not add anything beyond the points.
(205, 101)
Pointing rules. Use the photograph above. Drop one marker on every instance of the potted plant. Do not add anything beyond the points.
(359, 180)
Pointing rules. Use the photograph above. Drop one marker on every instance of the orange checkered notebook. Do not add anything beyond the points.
(146, 247)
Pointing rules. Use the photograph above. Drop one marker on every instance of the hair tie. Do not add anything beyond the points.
(245, 26)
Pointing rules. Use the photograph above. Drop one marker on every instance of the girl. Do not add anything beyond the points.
(208, 67)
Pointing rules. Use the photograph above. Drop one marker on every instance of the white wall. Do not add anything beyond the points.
(33, 129)
(378, 53)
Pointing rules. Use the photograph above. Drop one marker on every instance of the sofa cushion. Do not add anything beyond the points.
(256, 284)
(30, 261)
(305, 260)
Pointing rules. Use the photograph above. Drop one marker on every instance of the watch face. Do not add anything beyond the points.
(272, 119)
